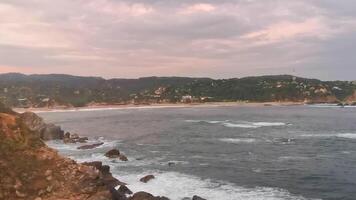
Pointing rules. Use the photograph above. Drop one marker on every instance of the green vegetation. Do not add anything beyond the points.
(20, 90)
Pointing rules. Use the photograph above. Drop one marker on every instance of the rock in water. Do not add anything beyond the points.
(123, 157)
(114, 153)
(90, 146)
(146, 196)
(198, 198)
(147, 178)
(124, 190)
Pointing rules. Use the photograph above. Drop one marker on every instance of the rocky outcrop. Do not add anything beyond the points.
(74, 138)
(146, 196)
(31, 170)
(38, 126)
(90, 146)
(351, 99)
(115, 153)
(147, 178)
(198, 198)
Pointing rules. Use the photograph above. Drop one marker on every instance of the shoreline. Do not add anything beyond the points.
(157, 105)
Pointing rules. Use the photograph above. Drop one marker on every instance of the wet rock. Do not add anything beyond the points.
(113, 153)
(68, 140)
(198, 198)
(146, 196)
(67, 135)
(124, 190)
(123, 157)
(117, 195)
(147, 178)
(90, 146)
(105, 174)
(82, 140)
(74, 136)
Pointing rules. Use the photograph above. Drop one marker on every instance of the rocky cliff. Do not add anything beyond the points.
(30, 170)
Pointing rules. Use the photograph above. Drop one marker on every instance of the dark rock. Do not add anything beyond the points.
(197, 198)
(117, 195)
(114, 153)
(67, 135)
(123, 157)
(146, 196)
(105, 174)
(82, 140)
(74, 136)
(68, 140)
(124, 190)
(171, 164)
(90, 146)
(147, 178)
(97, 164)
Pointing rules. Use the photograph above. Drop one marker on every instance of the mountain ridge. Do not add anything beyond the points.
(49, 90)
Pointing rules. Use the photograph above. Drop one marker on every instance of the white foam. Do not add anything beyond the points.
(338, 135)
(347, 135)
(269, 124)
(233, 125)
(238, 140)
(239, 124)
(287, 158)
(176, 186)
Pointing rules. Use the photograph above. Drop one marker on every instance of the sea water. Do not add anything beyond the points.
(230, 153)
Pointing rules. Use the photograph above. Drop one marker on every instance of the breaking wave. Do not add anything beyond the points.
(239, 124)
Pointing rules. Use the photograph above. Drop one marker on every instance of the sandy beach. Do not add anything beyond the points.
(161, 105)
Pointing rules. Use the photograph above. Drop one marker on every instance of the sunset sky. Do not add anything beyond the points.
(211, 38)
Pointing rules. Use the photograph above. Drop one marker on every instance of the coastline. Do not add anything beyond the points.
(158, 105)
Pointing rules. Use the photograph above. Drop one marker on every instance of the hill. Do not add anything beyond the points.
(19, 90)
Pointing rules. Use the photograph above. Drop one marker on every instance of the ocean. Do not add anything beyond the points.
(230, 153)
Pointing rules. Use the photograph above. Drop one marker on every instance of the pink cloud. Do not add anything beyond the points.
(313, 27)
(196, 8)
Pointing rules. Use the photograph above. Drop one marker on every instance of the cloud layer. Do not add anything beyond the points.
(219, 39)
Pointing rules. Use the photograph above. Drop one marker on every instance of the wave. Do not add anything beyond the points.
(239, 124)
(177, 186)
(238, 140)
(329, 106)
(288, 158)
(337, 135)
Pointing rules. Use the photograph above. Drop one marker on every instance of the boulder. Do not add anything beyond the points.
(90, 146)
(123, 157)
(197, 198)
(52, 132)
(124, 190)
(117, 195)
(147, 178)
(37, 125)
(105, 174)
(67, 135)
(82, 139)
(68, 140)
(114, 153)
(74, 136)
(146, 196)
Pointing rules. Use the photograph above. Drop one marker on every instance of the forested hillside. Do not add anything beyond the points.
(19, 90)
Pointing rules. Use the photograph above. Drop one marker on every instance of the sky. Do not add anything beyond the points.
(211, 38)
